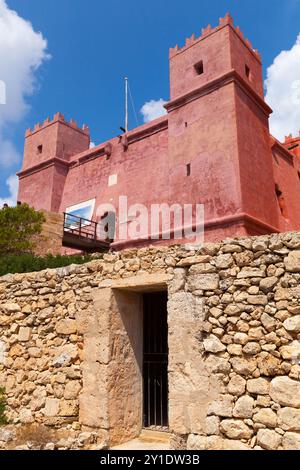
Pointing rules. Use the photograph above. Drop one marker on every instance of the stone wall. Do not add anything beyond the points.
(50, 239)
(70, 348)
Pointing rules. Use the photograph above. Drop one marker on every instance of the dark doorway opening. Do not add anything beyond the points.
(155, 360)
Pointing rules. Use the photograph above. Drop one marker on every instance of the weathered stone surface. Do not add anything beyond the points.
(291, 441)
(292, 262)
(213, 344)
(251, 348)
(258, 386)
(51, 407)
(6, 434)
(66, 327)
(243, 366)
(196, 442)
(289, 419)
(221, 407)
(235, 429)
(203, 282)
(190, 260)
(267, 439)
(268, 322)
(266, 417)
(25, 416)
(69, 408)
(237, 385)
(212, 426)
(72, 390)
(292, 324)
(244, 407)
(24, 334)
(267, 284)
(285, 391)
(11, 307)
(249, 272)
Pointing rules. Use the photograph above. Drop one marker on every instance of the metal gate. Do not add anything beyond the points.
(155, 364)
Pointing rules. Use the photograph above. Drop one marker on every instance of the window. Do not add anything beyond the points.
(299, 175)
(248, 72)
(108, 226)
(83, 211)
(188, 169)
(199, 68)
(281, 202)
(40, 149)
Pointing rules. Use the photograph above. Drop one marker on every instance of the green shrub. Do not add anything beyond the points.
(27, 262)
(18, 226)
(3, 419)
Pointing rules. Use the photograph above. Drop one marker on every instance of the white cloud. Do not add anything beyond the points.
(283, 92)
(22, 51)
(153, 109)
(12, 183)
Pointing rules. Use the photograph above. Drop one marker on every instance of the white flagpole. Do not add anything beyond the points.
(126, 104)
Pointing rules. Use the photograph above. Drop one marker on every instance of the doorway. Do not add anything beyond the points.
(155, 360)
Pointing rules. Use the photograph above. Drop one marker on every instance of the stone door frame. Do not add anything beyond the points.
(111, 400)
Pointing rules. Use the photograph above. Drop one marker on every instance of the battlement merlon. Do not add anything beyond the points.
(205, 32)
(289, 139)
(58, 117)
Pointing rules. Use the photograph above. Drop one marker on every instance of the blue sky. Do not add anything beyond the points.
(94, 44)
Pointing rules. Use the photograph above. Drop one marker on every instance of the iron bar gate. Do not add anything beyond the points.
(155, 364)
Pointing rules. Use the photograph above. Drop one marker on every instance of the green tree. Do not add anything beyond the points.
(18, 227)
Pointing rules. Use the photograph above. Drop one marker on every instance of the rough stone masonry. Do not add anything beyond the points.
(67, 347)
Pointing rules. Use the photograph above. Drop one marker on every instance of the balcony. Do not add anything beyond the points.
(83, 234)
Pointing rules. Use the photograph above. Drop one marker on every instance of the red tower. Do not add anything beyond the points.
(47, 153)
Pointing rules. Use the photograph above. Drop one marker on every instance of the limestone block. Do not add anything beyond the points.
(243, 366)
(267, 417)
(285, 391)
(291, 441)
(267, 284)
(51, 407)
(292, 324)
(24, 334)
(267, 439)
(221, 407)
(72, 390)
(292, 262)
(213, 344)
(66, 327)
(289, 419)
(237, 385)
(244, 407)
(235, 429)
(258, 386)
(11, 307)
(203, 282)
(68, 408)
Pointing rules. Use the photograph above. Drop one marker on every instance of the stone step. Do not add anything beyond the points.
(150, 435)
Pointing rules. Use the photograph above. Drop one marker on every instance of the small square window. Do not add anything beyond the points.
(199, 68)
(188, 169)
(40, 149)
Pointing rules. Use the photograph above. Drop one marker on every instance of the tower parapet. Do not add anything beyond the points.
(58, 117)
(227, 20)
